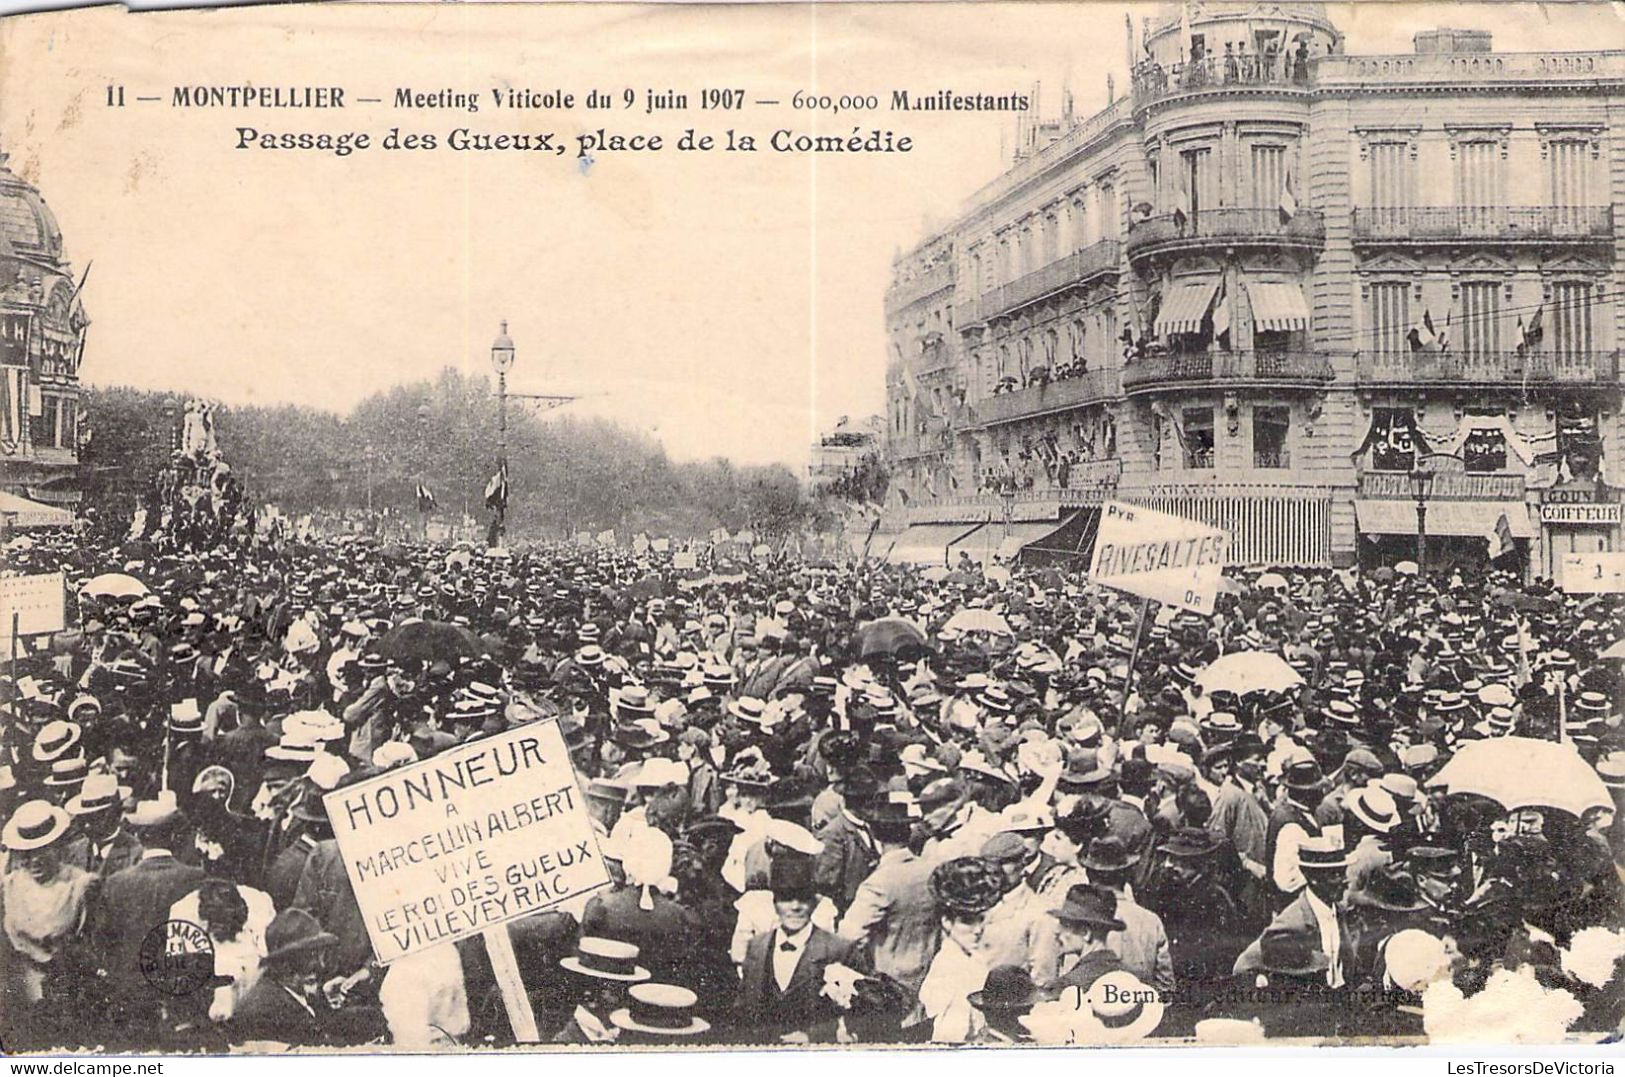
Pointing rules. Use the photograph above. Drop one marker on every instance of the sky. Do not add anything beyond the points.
(729, 304)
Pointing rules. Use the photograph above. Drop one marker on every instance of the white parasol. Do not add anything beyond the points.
(1521, 772)
(1249, 671)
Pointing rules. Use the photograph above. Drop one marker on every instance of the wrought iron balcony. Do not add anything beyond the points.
(1431, 224)
(1487, 368)
(1216, 74)
(1094, 260)
(1227, 226)
(1226, 368)
(1091, 387)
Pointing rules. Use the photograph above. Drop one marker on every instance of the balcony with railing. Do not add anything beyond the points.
(1513, 369)
(1465, 70)
(1154, 83)
(1090, 387)
(1176, 369)
(1431, 224)
(914, 289)
(1228, 226)
(1095, 260)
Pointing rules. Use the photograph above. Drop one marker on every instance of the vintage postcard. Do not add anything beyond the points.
(772, 525)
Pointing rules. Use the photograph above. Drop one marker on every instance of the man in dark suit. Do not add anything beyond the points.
(136, 900)
(1087, 916)
(288, 1004)
(103, 846)
(850, 852)
(1316, 915)
(784, 968)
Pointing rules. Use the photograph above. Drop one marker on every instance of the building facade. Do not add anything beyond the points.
(1285, 289)
(42, 338)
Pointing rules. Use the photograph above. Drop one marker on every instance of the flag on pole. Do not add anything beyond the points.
(1289, 199)
(1529, 336)
(1182, 198)
(1221, 319)
(496, 490)
(1421, 336)
(1500, 537)
(426, 502)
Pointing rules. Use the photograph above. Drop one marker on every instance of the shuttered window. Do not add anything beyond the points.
(1390, 317)
(1478, 186)
(1391, 184)
(1480, 319)
(1570, 184)
(1571, 320)
(1269, 174)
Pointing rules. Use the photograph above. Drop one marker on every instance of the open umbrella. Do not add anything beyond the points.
(1615, 652)
(1521, 772)
(113, 585)
(935, 574)
(1248, 671)
(890, 635)
(1382, 574)
(1407, 568)
(429, 641)
(977, 620)
(1518, 600)
(459, 559)
(1272, 581)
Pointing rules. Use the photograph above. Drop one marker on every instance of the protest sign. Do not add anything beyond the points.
(30, 606)
(487, 832)
(1159, 556)
(684, 559)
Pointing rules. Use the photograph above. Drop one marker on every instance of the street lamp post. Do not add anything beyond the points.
(1421, 476)
(369, 455)
(501, 361)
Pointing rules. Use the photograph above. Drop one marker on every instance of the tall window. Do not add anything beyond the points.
(1390, 317)
(1079, 342)
(1485, 450)
(1197, 426)
(1391, 174)
(1271, 426)
(1052, 237)
(1201, 180)
(1269, 174)
(1478, 185)
(44, 424)
(1570, 184)
(1571, 319)
(1480, 319)
(1106, 216)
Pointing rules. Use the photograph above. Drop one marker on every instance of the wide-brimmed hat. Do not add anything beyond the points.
(34, 825)
(56, 740)
(1373, 806)
(293, 933)
(633, 698)
(1322, 854)
(606, 959)
(1008, 990)
(1092, 905)
(660, 1010)
(67, 772)
(1192, 841)
(101, 792)
(1108, 853)
(1125, 1007)
(1303, 775)
(1290, 953)
(966, 886)
(748, 709)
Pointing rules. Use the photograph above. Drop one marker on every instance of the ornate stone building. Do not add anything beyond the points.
(1266, 290)
(42, 337)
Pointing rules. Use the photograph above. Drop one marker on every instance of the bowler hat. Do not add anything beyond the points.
(293, 933)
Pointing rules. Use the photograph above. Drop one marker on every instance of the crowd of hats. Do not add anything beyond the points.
(766, 677)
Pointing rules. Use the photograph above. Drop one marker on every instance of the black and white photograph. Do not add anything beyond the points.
(596, 527)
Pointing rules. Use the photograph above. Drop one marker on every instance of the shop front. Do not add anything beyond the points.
(1583, 516)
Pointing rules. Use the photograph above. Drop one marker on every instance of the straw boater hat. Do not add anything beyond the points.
(101, 792)
(660, 1010)
(34, 825)
(56, 740)
(605, 959)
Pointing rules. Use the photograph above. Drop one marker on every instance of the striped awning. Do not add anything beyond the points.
(1278, 307)
(1184, 308)
(1472, 519)
(1273, 531)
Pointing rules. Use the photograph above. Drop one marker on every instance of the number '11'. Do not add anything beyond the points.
(115, 96)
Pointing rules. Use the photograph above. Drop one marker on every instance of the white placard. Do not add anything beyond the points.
(487, 832)
(37, 601)
(1155, 555)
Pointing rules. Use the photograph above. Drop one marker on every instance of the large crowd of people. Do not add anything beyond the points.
(861, 803)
